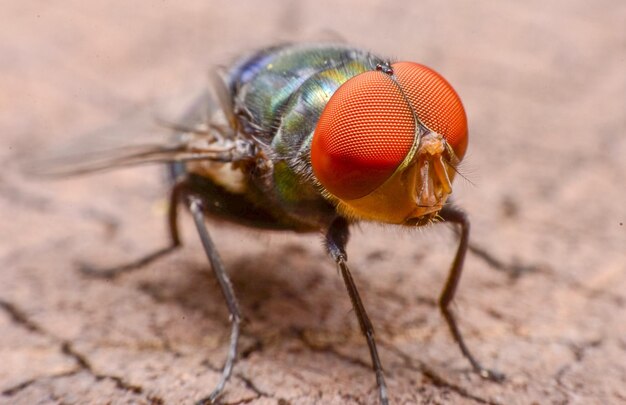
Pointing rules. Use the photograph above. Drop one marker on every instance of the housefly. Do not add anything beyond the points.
(315, 138)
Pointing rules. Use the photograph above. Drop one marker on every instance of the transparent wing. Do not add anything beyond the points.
(148, 136)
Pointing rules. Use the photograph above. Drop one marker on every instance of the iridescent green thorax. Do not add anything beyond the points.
(272, 85)
(278, 96)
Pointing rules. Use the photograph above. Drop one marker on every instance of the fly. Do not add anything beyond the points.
(314, 138)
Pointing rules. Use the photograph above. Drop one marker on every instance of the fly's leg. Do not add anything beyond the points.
(195, 206)
(459, 217)
(336, 240)
(175, 243)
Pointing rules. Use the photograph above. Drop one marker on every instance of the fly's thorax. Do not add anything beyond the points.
(268, 85)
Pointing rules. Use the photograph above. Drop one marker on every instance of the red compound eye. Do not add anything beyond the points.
(364, 133)
(435, 102)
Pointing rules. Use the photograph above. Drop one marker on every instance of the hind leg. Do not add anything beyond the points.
(136, 264)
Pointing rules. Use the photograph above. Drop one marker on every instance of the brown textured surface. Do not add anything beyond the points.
(545, 90)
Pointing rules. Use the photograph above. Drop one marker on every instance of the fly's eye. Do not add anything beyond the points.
(364, 133)
(435, 102)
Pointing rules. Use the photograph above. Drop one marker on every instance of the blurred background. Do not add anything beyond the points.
(544, 87)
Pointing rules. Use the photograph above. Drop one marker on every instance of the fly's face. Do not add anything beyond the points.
(388, 142)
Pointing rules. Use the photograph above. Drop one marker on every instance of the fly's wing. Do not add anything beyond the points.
(147, 137)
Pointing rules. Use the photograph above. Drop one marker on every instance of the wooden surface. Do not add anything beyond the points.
(545, 91)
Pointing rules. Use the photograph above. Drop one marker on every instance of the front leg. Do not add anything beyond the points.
(458, 216)
(175, 242)
(336, 240)
(195, 206)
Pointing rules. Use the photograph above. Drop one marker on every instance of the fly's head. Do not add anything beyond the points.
(388, 142)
